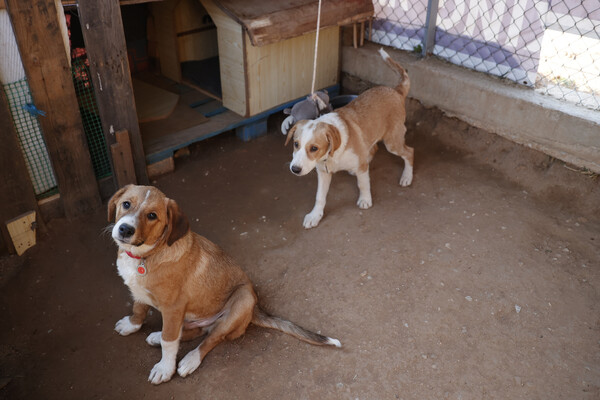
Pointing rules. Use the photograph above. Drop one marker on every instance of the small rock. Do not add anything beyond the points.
(518, 381)
(468, 298)
(517, 308)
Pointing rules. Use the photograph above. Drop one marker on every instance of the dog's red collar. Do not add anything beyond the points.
(132, 256)
(141, 268)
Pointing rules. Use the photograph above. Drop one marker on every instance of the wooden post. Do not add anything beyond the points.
(104, 38)
(40, 42)
(17, 195)
(123, 160)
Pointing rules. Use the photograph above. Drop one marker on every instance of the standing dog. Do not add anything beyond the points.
(197, 288)
(346, 140)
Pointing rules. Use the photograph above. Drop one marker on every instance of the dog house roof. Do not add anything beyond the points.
(272, 21)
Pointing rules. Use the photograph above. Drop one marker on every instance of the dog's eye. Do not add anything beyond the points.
(296, 144)
(126, 205)
(313, 149)
(152, 216)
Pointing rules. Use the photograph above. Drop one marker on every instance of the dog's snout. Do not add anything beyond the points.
(296, 169)
(126, 230)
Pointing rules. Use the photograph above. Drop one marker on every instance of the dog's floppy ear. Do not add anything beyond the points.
(178, 224)
(112, 203)
(290, 134)
(334, 138)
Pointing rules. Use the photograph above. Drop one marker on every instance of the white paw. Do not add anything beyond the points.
(406, 178)
(312, 219)
(124, 326)
(189, 363)
(364, 202)
(153, 339)
(162, 372)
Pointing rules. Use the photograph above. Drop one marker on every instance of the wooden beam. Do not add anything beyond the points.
(17, 195)
(38, 35)
(104, 38)
(122, 160)
(122, 2)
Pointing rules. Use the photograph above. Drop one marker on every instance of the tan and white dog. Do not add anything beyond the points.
(346, 140)
(198, 289)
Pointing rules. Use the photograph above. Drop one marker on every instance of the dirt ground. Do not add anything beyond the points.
(479, 281)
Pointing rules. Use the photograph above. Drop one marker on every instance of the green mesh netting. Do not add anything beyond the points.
(30, 135)
(31, 139)
(89, 116)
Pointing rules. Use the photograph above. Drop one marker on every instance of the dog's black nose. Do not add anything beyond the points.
(126, 230)
(296, 169)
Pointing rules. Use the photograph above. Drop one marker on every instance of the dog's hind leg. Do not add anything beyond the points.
(395, 144)
(231, 325)
(191, 334)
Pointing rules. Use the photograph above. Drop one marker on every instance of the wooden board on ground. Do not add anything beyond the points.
(22, 231)
(163, 144)
(151, 102)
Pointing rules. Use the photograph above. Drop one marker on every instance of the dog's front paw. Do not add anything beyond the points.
(189, 363)
(124, 326)
(406, 178)
(312, 219)
(162, 372)
(364, 202)
(153, 339)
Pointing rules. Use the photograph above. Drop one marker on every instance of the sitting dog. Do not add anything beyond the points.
(190, 280)
(346, 140)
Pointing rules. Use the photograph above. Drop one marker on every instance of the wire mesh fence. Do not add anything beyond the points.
(88, 109)
(551, 45)
(30, 137)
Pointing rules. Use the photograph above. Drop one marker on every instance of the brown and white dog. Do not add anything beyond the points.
(198, 288)
(346, 140)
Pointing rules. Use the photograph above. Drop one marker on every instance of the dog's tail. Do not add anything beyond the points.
(261, 318)
(404, 85)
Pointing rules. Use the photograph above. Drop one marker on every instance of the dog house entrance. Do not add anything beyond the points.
(203, 75)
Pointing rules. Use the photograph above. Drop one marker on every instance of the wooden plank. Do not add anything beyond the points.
(272, 21)
(161, 167)
(123, 160)
(17, 195)
(164, 22)
(161, 147)
(22, 231)
(104, 38)
(280, 72)
(122, 2)
(38, 35)
(231, 59)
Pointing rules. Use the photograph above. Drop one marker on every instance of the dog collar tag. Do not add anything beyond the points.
(141, 269)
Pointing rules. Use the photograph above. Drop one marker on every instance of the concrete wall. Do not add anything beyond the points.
(559, 129)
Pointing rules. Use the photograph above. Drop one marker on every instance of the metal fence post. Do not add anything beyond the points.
(430, 25)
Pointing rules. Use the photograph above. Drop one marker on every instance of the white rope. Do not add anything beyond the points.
(312, 91)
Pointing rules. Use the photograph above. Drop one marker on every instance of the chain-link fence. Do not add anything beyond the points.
(550, 45)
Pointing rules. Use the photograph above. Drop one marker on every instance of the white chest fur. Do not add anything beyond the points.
(346, 161)
(127, 268)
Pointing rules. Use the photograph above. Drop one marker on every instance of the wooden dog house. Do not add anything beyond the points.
(265, 49)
